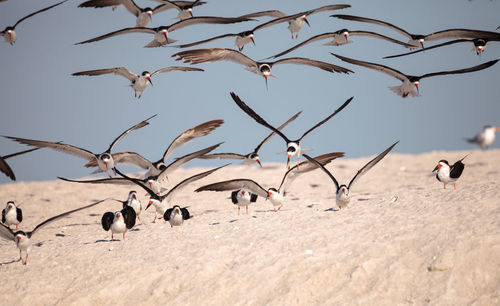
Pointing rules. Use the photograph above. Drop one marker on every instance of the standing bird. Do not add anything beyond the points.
(410, 82)
(131, 201)
(343, 192)
(449, 174)
(243, 197)
(119, 221)
(105, 160)
(160, 201)
(9, 34)
(176, 215)
(23, 239)
(485, 138)
(263, 69)
(5, 168)
(340, 38)
(144, 15)
(293, 146)
(254, 155)
(276, 196)
(161, 33)
(138, 82)
(12, 215)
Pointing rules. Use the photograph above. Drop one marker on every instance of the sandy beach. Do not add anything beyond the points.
(403, 240)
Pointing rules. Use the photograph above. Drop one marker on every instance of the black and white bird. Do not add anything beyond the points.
(23, 239)
(9, 34)
(449, 174)
(479, 45)
(275, 195)
(176, 215)
(154, 182)
(132, 201)
(243, 197)
(293, 146)
(135, 159)
(104, 160)
(485, 138)
(12, 215)
(343, 192)
(417, 40)
(138, 82)
(6, 169)
(161, 33)
(119, 221)
(160, 202)
(263, 69)
(340, 38)
(252, 157)
(144, 15)
(410, 82)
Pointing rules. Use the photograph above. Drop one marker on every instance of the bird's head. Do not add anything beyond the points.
(190, 12)
(442, 163)
(304, 18)
(105, 158)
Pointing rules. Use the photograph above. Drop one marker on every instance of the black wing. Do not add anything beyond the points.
(6, 232)
(451, 42)
(457, 168)
(19, 213)
(19, 153)
(465, 70)
(255, 116)
(5, 168)
(129, 216)
(107, 220)
(328, 118)
(167, 213)
(29, 234)
(139, 182)
(234, 199)
(3, 215)
(39, 11)
(253, 197)
(312, 160)
(274, 133)
(135, 127)
(185, 213)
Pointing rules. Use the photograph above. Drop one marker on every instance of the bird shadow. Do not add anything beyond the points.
(135, 229)
(314, 185)
(215, 223)
(94, 215)
(331, 209)
(363, 199)
(232, 221)
(9, 262)
(106, 240)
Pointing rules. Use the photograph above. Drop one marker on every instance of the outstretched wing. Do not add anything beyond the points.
(129, 216)
(61, 147)
(274, 133)
(5, 168)
(107, 220)
(387, 70)
(135, 127)
(459, 71)
(120, 32)
(116, 70)
(312, 160)
(197, 56)
(39, 11)
(235, 184)
(374, 21)
(6, 232)
(314, 63)
(176, 68)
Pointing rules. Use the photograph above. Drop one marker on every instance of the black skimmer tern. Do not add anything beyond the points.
(138, 82)
(119, 221)
(410, 82)
(104, 160)
(449, 174)
(276, 196)
(161, 33)
(340, 38)
(479, 45)
(12, 215)
(132, 201)
(243, 197)
(293, 146)
(153, 182)
(417, 40)
(197, 56)
(254, 155)
(176, 215)
(160, 201)
(23, 239)
(5, 168)
(343, 192)
(485, 138)
(156, 167)
(9, 34)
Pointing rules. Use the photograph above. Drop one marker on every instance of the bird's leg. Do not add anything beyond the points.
(154, 221)
(297, 35)
(444, 186)
(108, 173)
(297, 162)
(454, 187)
(114, 171)
(247, 209)
(140, 95)
(135, 94)
(17, 227)
(275, 209)
(292, 35)
(280, 206)
(138, 218)
(112, 238)
(20, 257)
(238, 210)
(26, 259)
(123, 236)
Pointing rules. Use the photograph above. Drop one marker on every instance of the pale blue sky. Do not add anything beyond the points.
(41, 100)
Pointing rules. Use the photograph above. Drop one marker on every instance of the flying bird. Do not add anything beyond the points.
(340, 38)
(343, 192)
(410, 82)
(104, 160)
(23, 239)
(160, 201)
(276, 196)
(9, 34)
(417, 40)
(161, 33)
(449, 174)
(156, 167)
(12, 215)
(176, 215)
(197, 56)
(479, 45)
(6, 169)
(138, 82)
(119, 221)
(254, 155)
(293, 146)
(485, 138)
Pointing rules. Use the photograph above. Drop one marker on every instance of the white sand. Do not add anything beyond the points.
(430, 246)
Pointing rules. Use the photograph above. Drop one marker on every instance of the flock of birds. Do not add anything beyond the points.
(243, 191)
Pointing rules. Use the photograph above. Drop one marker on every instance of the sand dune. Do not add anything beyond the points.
(429, 246)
